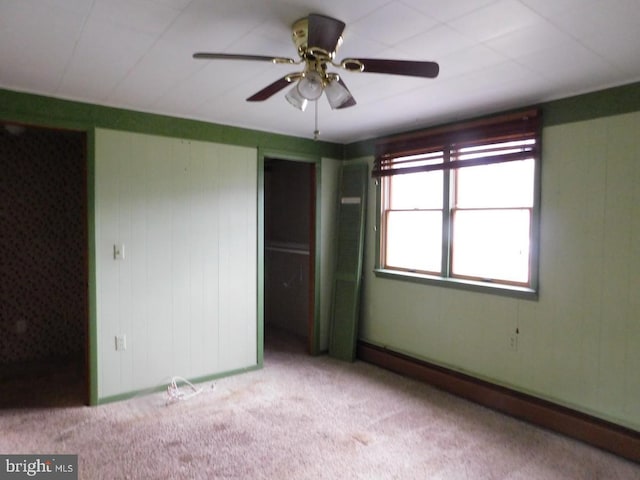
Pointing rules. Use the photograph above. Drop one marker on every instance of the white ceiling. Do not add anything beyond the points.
(493, 55)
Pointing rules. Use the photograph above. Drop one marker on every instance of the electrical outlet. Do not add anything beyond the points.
(121, 343)
(513, 340)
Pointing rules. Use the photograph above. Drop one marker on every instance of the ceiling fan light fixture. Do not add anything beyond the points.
(310, 86)
(337, 95)
(295, 99)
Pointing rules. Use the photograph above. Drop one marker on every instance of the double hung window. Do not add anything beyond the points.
(460, 203)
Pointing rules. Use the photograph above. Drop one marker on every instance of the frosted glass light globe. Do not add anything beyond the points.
(310, 86)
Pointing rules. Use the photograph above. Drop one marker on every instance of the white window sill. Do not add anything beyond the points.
(469, 285)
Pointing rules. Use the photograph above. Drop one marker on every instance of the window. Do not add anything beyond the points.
(459, 204)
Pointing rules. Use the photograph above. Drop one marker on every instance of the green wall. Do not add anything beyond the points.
(185, 293)
(579, 342)
(31, 109)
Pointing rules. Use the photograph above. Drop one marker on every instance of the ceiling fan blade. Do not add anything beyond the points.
(396, 67)
(233, 56)
(270, 90)
(324, 32)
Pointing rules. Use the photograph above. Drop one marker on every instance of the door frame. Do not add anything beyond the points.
(315, 211)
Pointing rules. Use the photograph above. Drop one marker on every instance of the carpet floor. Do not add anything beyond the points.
(303, 417)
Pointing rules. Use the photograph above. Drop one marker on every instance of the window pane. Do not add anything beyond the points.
(416, 190)
(500, 185)
(414, 240)
(492, 244)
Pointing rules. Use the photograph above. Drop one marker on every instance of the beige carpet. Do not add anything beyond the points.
(304, 418)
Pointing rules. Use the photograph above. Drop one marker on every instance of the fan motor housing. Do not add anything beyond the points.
(300, 37)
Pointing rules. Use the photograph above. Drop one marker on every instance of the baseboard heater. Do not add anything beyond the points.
(594, 431)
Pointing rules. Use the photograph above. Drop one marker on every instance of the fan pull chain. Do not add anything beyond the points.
(316, 132)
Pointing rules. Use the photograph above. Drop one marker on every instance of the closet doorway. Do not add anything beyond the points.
(43, 246)
(290, 206)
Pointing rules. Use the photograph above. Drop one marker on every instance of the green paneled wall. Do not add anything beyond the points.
(578, 343)
(45, 111)
(184, 295)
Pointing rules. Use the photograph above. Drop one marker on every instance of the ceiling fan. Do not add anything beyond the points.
(317, 37)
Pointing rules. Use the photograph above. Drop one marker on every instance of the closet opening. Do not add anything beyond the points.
(44, 251)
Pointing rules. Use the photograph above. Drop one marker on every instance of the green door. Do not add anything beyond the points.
(350, 252)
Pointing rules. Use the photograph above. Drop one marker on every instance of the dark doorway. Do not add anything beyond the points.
(290, 250)
(43, 247)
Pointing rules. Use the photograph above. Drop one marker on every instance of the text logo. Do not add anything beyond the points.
(52, 467)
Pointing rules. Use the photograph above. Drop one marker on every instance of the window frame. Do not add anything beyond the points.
(478, 130)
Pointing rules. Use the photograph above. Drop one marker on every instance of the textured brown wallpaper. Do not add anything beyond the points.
(43, 244)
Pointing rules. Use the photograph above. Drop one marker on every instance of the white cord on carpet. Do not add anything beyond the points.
(175, 393)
